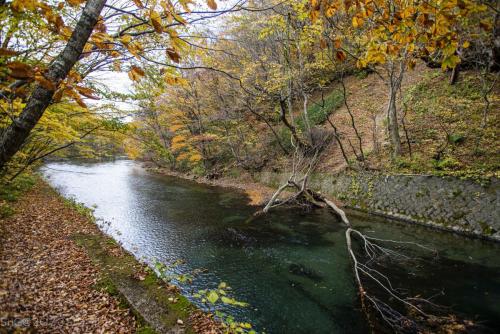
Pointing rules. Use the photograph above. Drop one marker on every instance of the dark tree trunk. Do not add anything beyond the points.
(494, 65)
(454, 75)
(14, 136)
(292, 129)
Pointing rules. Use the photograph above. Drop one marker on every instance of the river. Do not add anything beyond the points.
(290, 266)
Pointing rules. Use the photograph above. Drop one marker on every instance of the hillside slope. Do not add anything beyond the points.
(448, 126)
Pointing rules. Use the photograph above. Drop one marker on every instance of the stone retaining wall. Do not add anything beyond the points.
(445, 202)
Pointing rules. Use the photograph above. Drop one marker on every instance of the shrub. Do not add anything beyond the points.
(11, 191)
(5, 210)
(319, 112)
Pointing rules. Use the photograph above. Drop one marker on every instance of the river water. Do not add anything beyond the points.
(290, 266)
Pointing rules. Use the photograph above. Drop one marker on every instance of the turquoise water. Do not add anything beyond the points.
(290, 266)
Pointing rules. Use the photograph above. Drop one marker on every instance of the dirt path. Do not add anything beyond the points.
(47, 281)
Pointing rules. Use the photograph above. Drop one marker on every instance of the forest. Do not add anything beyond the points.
(387, 107)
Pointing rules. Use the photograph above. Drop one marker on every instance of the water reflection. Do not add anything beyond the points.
(291, 267)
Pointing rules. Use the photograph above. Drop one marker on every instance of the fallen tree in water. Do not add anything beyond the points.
(387, 308)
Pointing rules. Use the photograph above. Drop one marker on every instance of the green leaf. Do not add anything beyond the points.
(245, 325)
(241, 304)
(227, 300)
(212, 297)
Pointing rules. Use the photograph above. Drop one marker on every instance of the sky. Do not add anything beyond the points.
(118, 82)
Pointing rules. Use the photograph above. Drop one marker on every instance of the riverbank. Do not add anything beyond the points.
(447, 204)
(257, 193)
(60, 273)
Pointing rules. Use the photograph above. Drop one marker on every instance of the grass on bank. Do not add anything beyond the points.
(119, 279)
(319, 111)
(11, 191)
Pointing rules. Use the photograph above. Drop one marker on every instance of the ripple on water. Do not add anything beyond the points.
(290, 266)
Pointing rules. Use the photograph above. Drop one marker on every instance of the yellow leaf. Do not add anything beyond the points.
(75, 3)
(178, 139)
(411, 64)
(135, 49)
(138, 3)
(485, 25)
(156, 21)
(408, 12)
(450, 62)
(117, 66)
(175, 81)
(314, 15)
(135, 73)
(172, 54)
(126, 39)
(195, 157)
(58, 95)
(212, 4)
(7, 53)
(45, 83)
(340, 55)
(87, 92)
(66, 33)
(23, 5)
(175, 127)
(466, 44)
(100, 37)
(178, 18)
(322, 43)
(19, 70)
(75, 96)
(357, 22)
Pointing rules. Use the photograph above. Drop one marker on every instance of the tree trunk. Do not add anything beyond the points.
(494, 65)
(14, 136)
(393, 126)
(306, 117)
(454, 75)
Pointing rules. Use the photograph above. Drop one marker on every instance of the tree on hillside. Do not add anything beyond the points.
(267, 65)
(393, 34)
